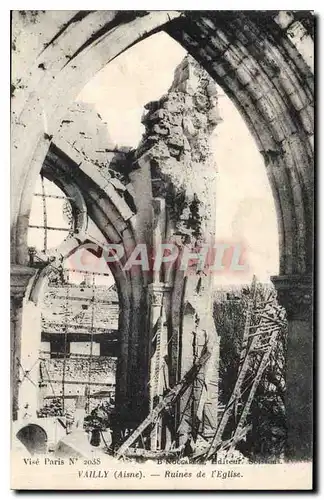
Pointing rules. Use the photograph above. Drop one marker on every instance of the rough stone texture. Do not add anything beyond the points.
(75, 316)
(83, 129)
(50, 69)
(177, 132)
(56, 52)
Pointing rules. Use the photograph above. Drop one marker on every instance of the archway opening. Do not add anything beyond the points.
(284, 118)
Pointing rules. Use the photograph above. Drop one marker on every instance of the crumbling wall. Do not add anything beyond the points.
(72, 312)
(177, 133)
(84, 130)
(176, 147)
(77, 382)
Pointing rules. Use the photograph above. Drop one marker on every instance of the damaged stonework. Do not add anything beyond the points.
(175, 148)
(177, 133)
(86, 132)
(261, 64)
(163, 191)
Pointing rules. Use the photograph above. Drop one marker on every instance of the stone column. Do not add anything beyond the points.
(295, 295)
(20, 277)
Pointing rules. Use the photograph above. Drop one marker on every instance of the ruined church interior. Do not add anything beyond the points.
(137, 362)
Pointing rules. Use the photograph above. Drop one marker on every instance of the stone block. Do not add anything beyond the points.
(242, 37)
(211, 89)
(311, 141)
(287, 83)
(173, 105)
(91, 171)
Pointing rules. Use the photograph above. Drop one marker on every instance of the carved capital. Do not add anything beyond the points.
(157, 291)
(20, 277)
(295, 294)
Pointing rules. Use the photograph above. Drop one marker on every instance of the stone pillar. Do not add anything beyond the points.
(29, 392)
(295, 295)
(20, 277)
(159, 371)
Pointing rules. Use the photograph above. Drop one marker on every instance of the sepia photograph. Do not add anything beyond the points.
(162, 249)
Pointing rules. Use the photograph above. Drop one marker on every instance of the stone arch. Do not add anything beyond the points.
(263, 74)
(34, 438)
